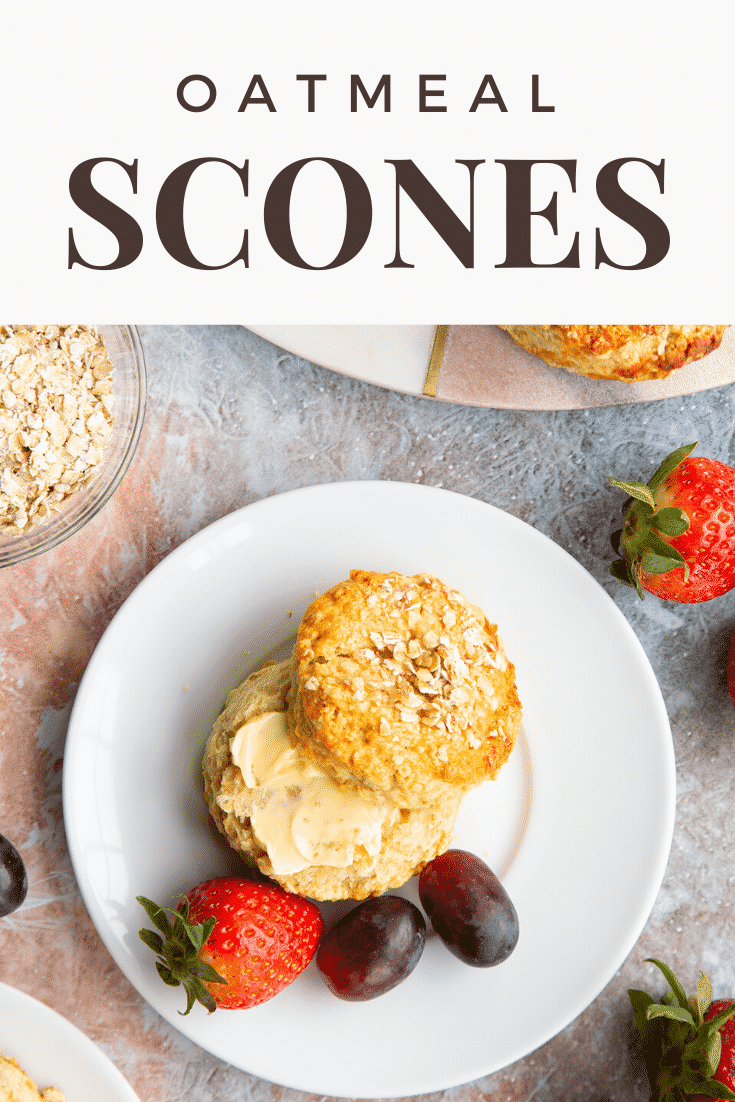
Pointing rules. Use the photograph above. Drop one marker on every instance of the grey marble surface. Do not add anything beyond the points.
(232, 419)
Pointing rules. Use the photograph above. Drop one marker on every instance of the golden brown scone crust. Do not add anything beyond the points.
(403, 684)
(630, 353)
(415, 837)
(16, 1086)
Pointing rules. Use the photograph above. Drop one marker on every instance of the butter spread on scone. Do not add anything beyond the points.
(629, 353)
(298, 814)
(16, 1086)
(408, 838)
(340, 772)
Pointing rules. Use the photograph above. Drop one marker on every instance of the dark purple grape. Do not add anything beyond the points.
(13, 878)
(469, 908)
(372, 948)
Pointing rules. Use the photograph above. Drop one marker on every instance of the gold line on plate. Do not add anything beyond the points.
(435, 360)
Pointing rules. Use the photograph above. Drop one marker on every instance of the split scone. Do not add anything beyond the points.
(630, 353)
(16, 1086)
(340, 772)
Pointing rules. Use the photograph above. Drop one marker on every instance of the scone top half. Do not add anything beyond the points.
(628, 353)
(400, 684)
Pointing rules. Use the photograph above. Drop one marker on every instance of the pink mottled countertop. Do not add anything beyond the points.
(232, 419)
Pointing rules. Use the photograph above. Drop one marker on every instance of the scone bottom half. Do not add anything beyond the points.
(398, 700)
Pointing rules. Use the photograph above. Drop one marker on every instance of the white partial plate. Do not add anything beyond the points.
(562, 825)
(392, 356)
(55, 1053)
(483, 366)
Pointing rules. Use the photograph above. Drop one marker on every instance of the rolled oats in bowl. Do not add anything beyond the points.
(72, 399)
(56, 416)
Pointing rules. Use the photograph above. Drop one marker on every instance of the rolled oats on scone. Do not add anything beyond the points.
(56, 417)
(402, 681)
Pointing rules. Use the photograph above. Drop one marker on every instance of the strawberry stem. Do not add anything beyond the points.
(178, 945)
(644, 545)
(682, 1050)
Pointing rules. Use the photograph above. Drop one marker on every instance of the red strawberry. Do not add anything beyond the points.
(252, 938)
(726, 1068)
(690, 1042)
(679, 535)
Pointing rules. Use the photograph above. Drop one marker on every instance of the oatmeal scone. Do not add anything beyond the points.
(340, 773)
(402, 683)
(630, 353)
(16, 1086)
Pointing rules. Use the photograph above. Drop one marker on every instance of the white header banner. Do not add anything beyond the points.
(389, 162)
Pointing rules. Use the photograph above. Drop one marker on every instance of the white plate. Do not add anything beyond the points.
(55, 1053)
(393, 356)
(562, 826)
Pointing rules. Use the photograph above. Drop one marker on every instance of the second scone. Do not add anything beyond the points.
(280, 812)
(629, 353)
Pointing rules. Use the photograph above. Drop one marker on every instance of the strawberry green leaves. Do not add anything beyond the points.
(178, 945)
(640, 543)
(682, 1048)
(669, 465)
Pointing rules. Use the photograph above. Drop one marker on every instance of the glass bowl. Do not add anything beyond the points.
(129, 381)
